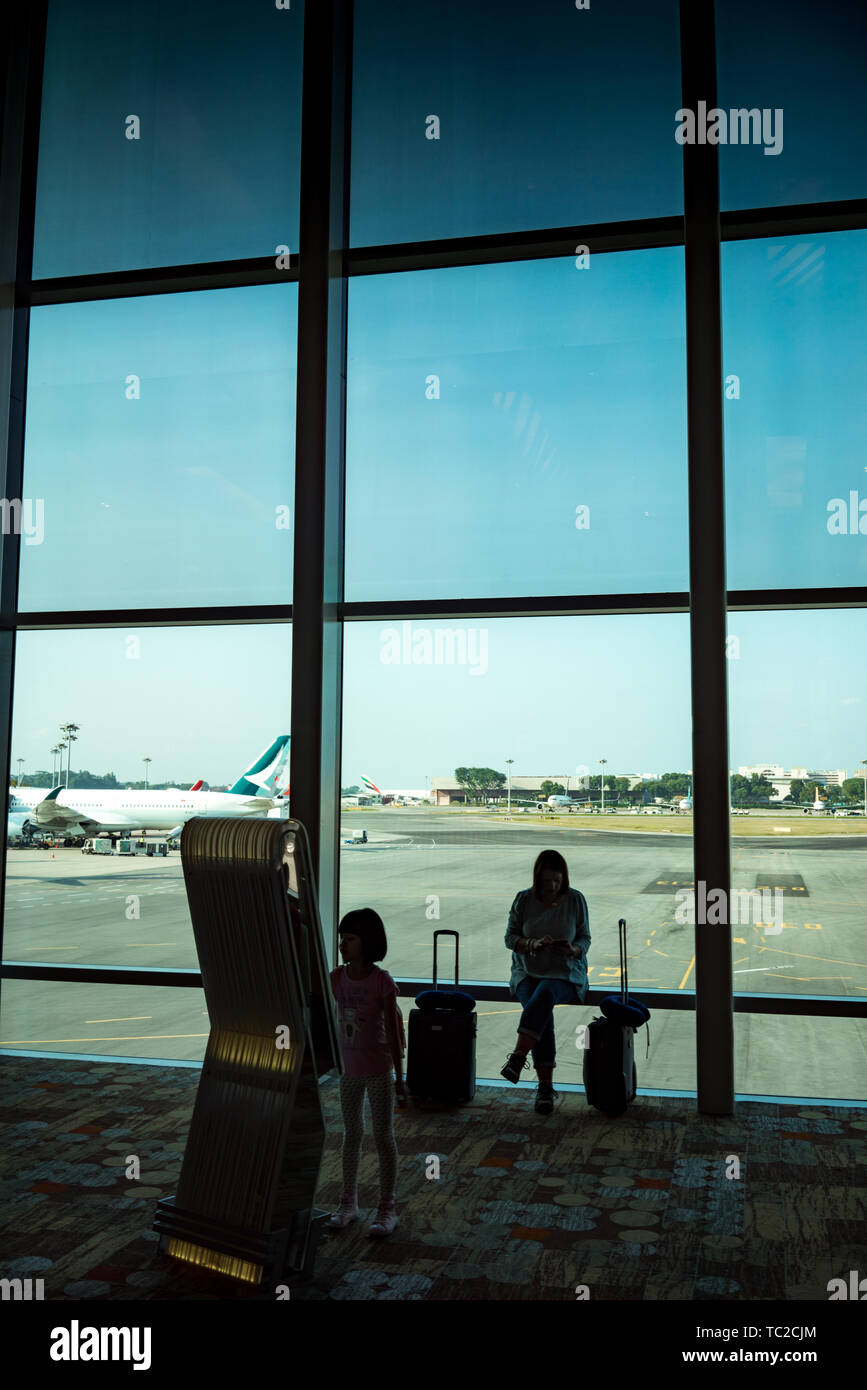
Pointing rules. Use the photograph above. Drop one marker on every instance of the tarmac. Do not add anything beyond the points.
(426, 869)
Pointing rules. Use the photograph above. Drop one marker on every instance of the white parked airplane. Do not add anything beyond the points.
(77, 811)
(409, 797)
(19, 816)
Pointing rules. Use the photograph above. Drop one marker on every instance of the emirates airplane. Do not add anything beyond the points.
(78, 812)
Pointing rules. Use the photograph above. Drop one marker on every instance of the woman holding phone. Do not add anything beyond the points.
(548, 933)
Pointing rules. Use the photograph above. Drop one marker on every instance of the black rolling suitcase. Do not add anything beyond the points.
(441, 1058)
(610, 1079)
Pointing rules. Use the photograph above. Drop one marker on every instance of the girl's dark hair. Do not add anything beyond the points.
(550, 859)
(368, 926)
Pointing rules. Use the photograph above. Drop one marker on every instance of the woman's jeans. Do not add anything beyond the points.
(539, 998)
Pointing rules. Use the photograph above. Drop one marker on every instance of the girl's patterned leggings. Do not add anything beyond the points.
(380, 1091)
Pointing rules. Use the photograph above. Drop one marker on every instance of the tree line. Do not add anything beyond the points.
(95, 781)
(755, 790)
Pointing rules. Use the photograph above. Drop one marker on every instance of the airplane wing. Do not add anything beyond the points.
(48, 815)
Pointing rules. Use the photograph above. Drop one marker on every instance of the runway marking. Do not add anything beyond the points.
(131, 1018)
(829, 960)
(48, 948)
(809, 979)
(134, 1037)
(762, 969)
(686, 976)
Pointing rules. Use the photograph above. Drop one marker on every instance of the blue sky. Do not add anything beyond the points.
(556, 693)
(549, 116)
(558, 387)
(486, 405)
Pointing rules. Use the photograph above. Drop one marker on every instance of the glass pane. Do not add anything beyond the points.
(168, 141)
(518, 429)
(798, 853)
(485, 118)
(105, 1020)
(669, 1065)
(459, 866)
(816, 1058)
(800, 68)
(160, 448)
(155, 711)
(795, 361)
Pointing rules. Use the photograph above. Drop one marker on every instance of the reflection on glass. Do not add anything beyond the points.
(160, 447)
(518, 429)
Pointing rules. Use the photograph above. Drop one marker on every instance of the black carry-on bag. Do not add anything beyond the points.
(610, 1079)
(441, 1060)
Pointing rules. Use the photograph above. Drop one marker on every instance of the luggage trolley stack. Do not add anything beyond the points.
(610, 1079)
(441, 1061)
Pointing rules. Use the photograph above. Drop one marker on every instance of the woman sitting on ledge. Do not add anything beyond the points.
(548, 934)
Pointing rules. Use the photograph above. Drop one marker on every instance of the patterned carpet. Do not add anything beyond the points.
(525, 1207)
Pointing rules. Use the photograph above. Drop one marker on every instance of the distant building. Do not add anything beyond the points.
(446, 791)
(782, 780)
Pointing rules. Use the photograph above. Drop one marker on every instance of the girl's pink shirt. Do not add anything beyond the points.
(361, 1011)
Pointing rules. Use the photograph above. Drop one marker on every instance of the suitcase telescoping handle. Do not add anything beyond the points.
(624, 971)
(444, 932)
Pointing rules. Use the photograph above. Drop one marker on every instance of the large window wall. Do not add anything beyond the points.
(493, 274)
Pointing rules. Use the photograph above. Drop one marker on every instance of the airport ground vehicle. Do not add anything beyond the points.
(97, 846)
(152, 848)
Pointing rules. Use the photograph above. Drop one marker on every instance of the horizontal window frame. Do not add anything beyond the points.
(804, 1005)
(525, 606)
(603, 238)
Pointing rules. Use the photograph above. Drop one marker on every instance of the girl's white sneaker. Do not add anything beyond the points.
(384, 1221)
(346, 1212)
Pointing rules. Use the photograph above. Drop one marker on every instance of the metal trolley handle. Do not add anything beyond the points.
(444, 932)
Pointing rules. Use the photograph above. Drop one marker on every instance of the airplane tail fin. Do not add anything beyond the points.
(262, 777)
(197, 786)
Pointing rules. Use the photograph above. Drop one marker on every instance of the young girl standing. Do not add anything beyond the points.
(372, 1041)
